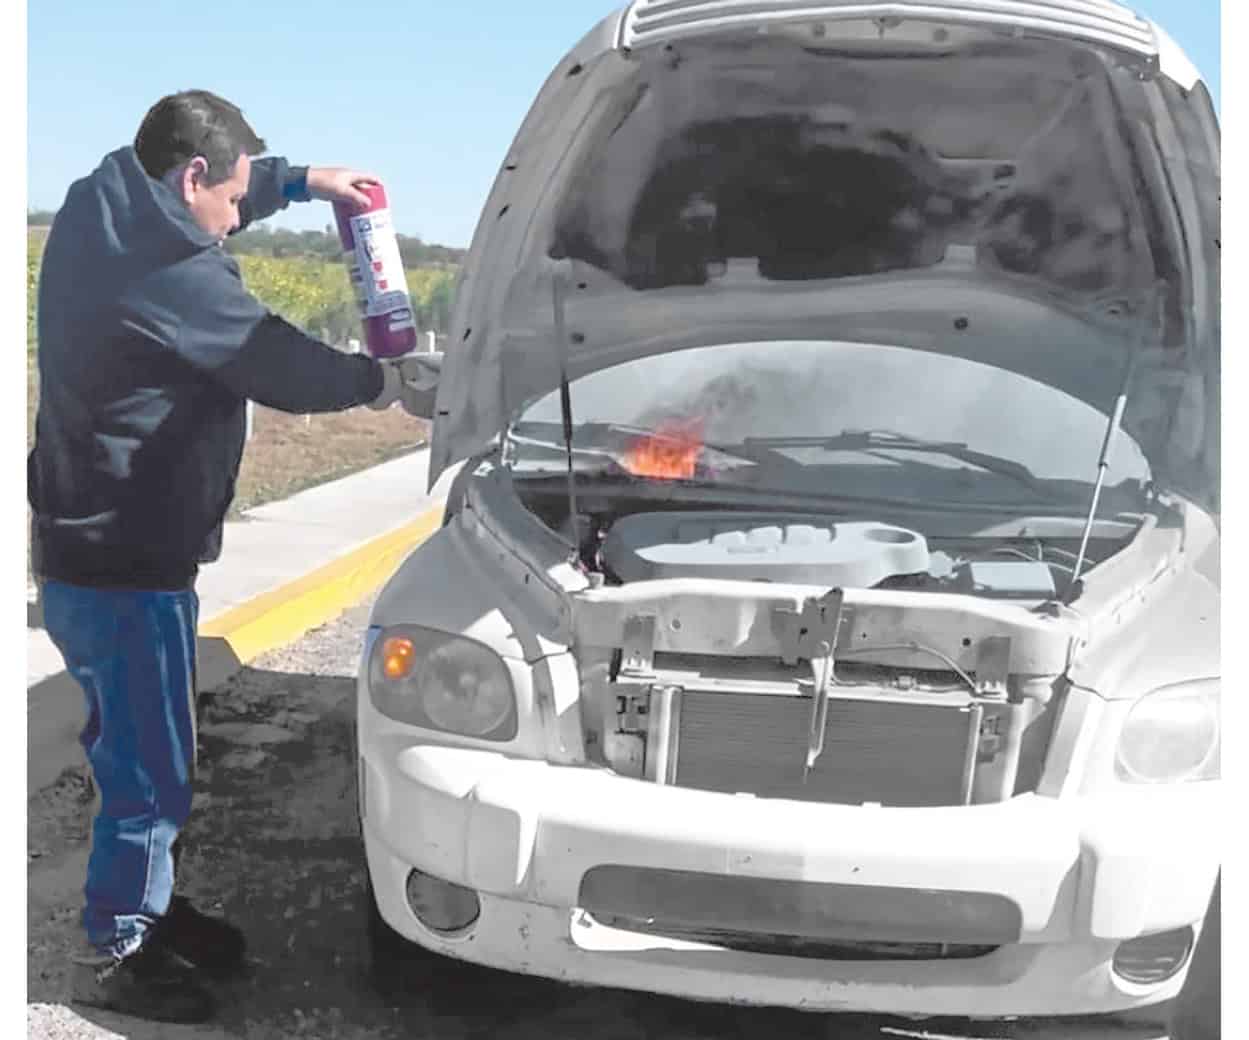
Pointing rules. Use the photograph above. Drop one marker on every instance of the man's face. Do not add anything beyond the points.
(215, 208)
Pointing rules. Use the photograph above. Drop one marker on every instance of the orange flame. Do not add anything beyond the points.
(670, 453)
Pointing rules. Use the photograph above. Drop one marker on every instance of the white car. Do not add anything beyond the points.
(826, 614)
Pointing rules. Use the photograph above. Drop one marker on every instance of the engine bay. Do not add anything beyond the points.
(914, 734)
(918, 692)
(824, 551)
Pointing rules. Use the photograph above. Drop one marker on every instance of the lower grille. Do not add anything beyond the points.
(891, 752)
(797, 946)
(800, 918)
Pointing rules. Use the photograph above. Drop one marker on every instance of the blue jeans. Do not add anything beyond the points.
(133, 653)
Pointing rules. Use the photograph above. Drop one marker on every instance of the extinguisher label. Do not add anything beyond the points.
(398, 321)
(381, 277)
(357, 280)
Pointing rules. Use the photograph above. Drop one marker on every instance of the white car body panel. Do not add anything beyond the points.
(1049, 857)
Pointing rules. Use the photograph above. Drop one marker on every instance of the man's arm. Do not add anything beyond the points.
(280, 367)
(201, 309)
(274, 184)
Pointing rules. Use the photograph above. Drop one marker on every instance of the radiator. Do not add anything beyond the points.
(885, 751)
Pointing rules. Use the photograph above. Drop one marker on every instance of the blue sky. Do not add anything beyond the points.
(427, 95)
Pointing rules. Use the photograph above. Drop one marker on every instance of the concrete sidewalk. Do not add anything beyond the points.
(285, 567)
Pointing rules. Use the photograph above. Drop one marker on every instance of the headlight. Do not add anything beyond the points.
(439, 681)
(1170, 735)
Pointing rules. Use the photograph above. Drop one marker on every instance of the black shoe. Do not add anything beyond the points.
(212, 945)
(152, 983)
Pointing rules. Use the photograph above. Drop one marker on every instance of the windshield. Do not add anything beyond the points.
(830, 419)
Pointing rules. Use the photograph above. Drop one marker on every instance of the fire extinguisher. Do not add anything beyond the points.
(371, 251)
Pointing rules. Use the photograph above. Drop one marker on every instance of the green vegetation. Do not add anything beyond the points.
(307, 286)
(316, 294)
(301, 275)
(313, 294)
(261, 240)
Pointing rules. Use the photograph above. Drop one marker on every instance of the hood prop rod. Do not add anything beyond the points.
(1103, 463)
(559, 291)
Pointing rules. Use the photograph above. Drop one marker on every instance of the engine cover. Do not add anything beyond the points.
(778, 547)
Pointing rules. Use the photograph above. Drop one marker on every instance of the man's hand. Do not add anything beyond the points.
(412, 381)
(338, 184)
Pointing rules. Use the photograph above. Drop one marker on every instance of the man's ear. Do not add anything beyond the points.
(192, 177)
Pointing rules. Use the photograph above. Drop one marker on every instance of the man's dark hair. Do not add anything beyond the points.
(195, 122)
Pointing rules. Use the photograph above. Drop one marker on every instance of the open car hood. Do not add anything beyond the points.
(1031, 185)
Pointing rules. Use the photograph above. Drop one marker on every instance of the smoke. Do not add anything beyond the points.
(820, 389)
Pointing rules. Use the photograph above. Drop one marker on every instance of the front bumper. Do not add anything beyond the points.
(1080, 874)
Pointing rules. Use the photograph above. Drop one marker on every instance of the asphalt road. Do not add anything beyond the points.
(272, 844)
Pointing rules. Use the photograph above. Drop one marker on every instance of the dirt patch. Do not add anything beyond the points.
(288, 453)
(57, 843)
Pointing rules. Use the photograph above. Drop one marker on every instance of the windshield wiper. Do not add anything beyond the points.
(608, 440)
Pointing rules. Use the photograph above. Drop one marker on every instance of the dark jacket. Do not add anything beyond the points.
(149, 347)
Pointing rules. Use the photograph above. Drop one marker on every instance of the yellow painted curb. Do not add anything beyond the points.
(281, 616)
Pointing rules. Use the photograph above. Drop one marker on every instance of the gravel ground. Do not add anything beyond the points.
(272, 844)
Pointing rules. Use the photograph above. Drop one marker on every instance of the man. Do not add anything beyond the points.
(149, 348)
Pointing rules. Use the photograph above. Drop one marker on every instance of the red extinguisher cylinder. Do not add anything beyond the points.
(371, 250)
